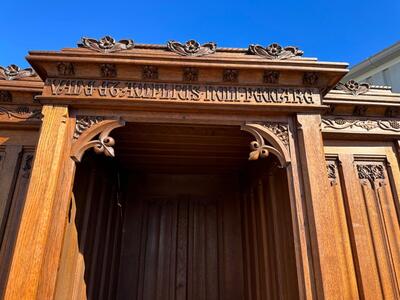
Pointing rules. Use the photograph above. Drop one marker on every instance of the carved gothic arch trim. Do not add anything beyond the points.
(261, 149)
(84, 139)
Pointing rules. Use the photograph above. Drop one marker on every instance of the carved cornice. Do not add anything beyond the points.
(275, 51)
(21, 113)
(370, 172)
(106, 44)
(341, 123)
(94, 132)
(192, 48)
(265, 133)
(13, 72)
(353, 87)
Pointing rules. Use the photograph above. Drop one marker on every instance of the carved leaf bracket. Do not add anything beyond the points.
(89, 127)
(259, 148)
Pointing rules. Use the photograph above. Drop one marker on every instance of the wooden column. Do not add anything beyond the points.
(35, 259)
(327, 253)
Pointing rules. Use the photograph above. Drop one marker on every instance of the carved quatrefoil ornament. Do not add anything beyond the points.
(192, 48)
(275, 51)
(106, 44)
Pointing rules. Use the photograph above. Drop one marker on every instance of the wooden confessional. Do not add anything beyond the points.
(188, 171)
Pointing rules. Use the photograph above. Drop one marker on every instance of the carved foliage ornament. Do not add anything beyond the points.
(13, 72)
(21, 112)
(192, 48)
(353, 87)
(106, 44)
(340, 123)
(275, 51)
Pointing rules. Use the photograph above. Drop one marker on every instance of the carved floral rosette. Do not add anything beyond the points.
(275, 51)
(367, 124)
(353, 87)
(13, 72)
(192, 48)
(106, 44)
(371, 173)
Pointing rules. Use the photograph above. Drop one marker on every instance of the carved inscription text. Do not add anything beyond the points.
(182, 92)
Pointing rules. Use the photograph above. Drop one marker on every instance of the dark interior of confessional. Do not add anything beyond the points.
(181, 213)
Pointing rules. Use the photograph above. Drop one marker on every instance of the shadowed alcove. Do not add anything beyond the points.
(179, 213)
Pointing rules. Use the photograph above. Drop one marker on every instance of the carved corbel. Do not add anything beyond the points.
(87, 128)
(260, 148)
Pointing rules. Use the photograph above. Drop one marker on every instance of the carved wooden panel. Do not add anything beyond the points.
(14, 179)
(366, 187)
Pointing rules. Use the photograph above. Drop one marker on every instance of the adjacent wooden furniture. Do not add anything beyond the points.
(188, 171)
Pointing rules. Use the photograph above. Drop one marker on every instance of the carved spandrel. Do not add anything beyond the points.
(84, 123)
(94, 132)
(182, 92)
(266, 143)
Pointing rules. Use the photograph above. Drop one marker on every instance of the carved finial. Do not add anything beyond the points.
(192, 48)
(353, 87)
(275, 51)
(13, 72)
(106, 44)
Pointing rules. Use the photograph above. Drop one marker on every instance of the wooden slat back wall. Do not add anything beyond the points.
(91, 250)
(15, 167)
(182, 239)
(270, 267)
